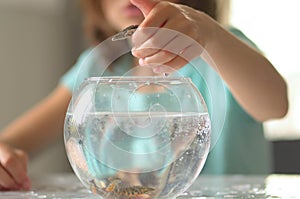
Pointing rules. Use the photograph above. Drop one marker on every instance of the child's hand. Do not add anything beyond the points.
(13, 169)
(181, 35)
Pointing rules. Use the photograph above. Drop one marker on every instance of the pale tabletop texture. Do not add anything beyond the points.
(67, 186)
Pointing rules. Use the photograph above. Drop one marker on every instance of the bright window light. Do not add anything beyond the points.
(274, 26)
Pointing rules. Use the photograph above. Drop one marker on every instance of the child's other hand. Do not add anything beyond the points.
(13, 169)
(182, 34)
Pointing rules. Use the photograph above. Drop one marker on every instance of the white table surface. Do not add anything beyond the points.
(67, 186)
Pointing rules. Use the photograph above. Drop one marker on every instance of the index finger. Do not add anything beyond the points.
(6, 181)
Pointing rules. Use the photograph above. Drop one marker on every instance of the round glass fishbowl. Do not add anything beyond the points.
(137, 137)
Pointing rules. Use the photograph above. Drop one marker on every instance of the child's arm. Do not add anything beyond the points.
(252, 79)
(28, 134)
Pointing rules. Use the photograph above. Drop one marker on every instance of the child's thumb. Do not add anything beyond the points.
(144, 5)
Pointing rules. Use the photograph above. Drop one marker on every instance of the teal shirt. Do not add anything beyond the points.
(238, 142)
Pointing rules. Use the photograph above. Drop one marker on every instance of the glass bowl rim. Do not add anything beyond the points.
(125, 79)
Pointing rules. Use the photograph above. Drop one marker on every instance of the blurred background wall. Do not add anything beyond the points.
(41, 39)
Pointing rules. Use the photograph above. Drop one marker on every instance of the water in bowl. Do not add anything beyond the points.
(137, 154)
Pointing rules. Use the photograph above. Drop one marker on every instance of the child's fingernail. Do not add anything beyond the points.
(142, 62)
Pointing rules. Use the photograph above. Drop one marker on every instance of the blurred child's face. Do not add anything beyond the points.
(121, 13)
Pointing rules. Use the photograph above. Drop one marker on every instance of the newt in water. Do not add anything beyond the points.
(117, 188)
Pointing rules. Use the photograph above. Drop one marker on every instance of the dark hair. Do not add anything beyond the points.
(97, 32)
